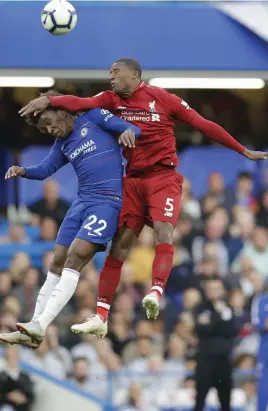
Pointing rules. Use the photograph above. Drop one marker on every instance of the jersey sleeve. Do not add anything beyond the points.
(107, 121)
(258, 312)
(180, 110)
(53, 162)
(75, 104)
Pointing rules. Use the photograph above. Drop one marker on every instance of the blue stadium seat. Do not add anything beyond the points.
(31, 190)
(34, 250)
(197, 163)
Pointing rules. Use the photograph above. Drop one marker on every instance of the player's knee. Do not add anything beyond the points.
(76, 259)
(163, 232)
(56, 265)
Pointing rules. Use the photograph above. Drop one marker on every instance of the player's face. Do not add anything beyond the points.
(52, 123)
(122, 78)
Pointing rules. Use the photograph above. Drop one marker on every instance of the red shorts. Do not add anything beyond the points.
(153, 196)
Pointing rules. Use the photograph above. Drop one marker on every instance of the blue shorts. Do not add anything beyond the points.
(94, 221)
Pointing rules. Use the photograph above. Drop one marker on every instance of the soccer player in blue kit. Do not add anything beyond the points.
(91, 222)
(259, 318)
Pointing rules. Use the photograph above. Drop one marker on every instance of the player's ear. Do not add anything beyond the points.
(135, 74)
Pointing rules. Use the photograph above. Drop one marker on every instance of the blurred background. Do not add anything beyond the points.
(215, 56)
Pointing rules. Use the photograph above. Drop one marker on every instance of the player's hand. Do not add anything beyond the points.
(15, 171)
(255, 155)
(35, 106)
(127, 139)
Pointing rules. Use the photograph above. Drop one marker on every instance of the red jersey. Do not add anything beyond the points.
(154, 111)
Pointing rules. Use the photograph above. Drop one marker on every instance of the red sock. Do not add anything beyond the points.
(162, 265)
(108, 282)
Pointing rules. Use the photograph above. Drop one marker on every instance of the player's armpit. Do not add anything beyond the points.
(74, 104)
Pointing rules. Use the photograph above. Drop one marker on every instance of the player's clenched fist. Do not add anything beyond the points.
(128, 139)
(15, 171)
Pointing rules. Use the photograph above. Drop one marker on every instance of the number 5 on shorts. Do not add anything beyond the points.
(169, 207)
(92, 220)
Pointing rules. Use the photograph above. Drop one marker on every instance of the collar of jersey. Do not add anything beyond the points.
(140, 85)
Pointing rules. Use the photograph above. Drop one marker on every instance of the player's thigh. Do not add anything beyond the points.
(58, 260)
(164, 197)
(70, 225)
(100, 222)
(134, 207)
(122, 243)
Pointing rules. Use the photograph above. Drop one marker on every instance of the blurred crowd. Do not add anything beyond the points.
(221, 235)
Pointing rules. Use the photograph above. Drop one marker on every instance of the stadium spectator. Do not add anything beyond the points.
(175, 360)
(257, 252)
(16, 388)
(119, 333)
(12, 305)
(135, 400)
(143, 331)
(216, 190)
(51, 205)
(262, 214)
(15, 235)
(249, 388)
(144, 350)
(50, 357)
(18, 266)
(5, 286)
(141, 257)
(48, 229)
(86, 348)
(189, 205)
(27, 292)
(216, 328)
(82, 379)
(244, 191)
(215, 229)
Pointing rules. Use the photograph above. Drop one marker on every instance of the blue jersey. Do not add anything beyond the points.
(93, 152)
(259, 318)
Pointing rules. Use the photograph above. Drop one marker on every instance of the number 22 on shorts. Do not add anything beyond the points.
(169, 207)
(93, 221)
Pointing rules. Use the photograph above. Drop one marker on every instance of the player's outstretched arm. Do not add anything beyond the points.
(53, 162)
(68, 103)
(217, 133)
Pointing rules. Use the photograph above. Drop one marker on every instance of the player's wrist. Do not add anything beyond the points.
(23, 172)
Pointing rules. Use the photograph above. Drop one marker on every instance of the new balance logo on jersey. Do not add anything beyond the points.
(84, 148)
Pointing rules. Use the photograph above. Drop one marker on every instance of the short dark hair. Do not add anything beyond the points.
(132, 64)
(32, 120)
(245, 175)
(51, 93)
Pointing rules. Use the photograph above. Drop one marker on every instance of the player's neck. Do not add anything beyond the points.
(127, 94)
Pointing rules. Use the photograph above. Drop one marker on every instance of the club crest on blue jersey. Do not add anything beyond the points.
(84, 132)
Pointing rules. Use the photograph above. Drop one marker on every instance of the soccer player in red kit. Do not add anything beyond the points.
(152, 186)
